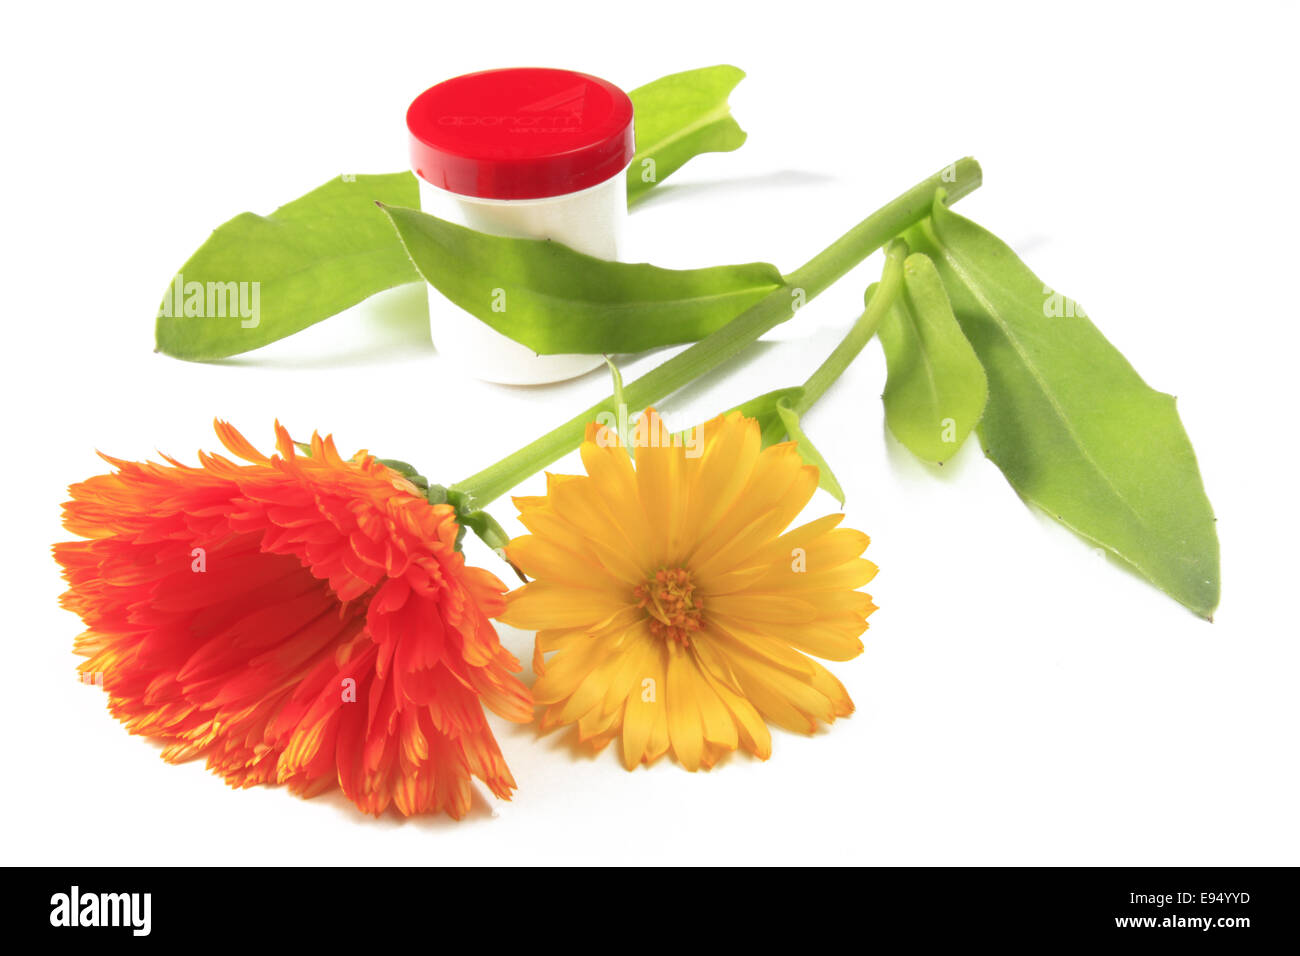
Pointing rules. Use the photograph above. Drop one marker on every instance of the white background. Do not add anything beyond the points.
(1020, 700)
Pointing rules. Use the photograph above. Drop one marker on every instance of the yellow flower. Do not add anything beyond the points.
(676, 609)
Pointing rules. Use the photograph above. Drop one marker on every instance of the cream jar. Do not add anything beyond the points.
(530, 153)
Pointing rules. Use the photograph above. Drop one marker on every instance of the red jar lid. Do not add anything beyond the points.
(520, 133)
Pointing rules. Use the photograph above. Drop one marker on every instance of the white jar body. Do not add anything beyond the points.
(590, 220)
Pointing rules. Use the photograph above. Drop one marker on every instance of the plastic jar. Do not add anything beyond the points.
(532, 153)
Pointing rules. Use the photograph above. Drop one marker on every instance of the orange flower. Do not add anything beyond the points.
(300, 619)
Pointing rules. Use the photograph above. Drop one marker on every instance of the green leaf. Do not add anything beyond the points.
(807, 451)
(617, 379)
(620, 402)
(553, 299)
(260, 278)
(1069, 421)
(936, 389)
(678, 117)
(763, 408)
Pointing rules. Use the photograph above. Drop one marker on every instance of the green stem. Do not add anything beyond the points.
(778, 306)
(891, 281)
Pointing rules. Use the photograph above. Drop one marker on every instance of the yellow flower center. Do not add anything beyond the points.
(669, 598)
